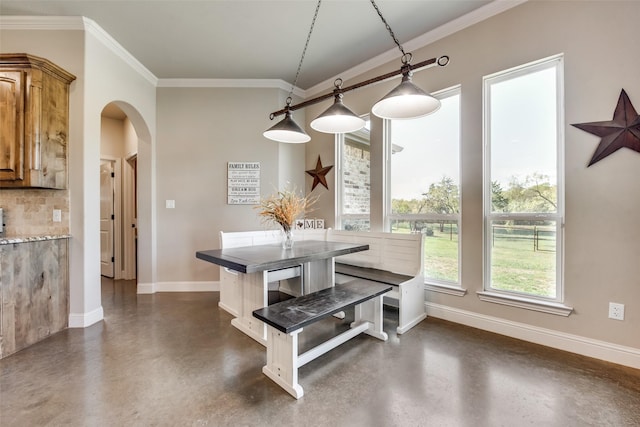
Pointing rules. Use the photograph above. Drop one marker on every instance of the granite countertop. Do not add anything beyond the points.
(8, 240)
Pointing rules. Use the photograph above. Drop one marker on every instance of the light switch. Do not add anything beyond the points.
(170, 204)
(57, 215)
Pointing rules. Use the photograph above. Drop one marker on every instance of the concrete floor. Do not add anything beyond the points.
(175, 360)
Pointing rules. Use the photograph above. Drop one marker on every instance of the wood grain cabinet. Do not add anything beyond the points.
(34, 122)
(34, 292)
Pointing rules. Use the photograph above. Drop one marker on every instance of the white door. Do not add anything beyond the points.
(106, 218)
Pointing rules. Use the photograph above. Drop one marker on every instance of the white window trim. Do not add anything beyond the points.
(339, 154)
(446, 287)
(526, 303)
(547, 305)
(339, 217)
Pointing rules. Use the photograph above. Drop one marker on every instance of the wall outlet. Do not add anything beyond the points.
(57, 215)
(616, 311)
(170, 204)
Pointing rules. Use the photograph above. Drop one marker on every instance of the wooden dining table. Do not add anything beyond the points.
(311, 260)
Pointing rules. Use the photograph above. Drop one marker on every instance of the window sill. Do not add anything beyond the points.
(529, 304)
(445, 289)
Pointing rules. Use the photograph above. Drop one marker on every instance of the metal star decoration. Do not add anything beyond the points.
(622, 131)
(319, 174)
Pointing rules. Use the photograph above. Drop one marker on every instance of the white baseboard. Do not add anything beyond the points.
(145, 288)
(152, 288)
(614, 353)
(82, 320)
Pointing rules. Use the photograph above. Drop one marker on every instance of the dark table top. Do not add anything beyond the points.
(251, 259)
(293, 314)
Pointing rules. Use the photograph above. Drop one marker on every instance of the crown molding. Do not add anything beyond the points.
(41, 23)
(231, 83)
(110, 43)
(81, 23)
(485, 12)
(77, 23)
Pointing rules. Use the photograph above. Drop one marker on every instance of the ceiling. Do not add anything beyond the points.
(254, 39)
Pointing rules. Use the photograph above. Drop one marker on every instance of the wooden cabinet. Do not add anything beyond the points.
(34, 122)
(34, 292)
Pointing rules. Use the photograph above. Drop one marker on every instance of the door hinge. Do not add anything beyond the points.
(113, 259)
(113, 216)
(113, 174)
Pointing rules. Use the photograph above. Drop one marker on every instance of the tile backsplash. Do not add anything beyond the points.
(29, 212)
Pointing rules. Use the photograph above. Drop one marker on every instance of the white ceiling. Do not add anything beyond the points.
(254, 39)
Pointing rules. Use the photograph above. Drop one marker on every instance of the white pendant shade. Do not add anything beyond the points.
(338, 119)
(286, 130)
(406, 101)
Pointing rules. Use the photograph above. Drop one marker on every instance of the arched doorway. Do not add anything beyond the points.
(118, 194)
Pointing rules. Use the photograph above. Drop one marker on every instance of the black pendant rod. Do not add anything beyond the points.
(441, 61)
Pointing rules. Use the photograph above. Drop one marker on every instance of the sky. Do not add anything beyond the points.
(431, 150)
(523, 136)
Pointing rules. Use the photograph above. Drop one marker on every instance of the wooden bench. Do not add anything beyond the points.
(286, 319)
(393, 258)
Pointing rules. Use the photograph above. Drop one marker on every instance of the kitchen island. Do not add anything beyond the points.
(34, 289)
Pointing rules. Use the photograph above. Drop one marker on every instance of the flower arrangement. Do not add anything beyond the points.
(284, 207)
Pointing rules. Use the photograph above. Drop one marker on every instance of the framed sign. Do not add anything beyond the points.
(243, 183)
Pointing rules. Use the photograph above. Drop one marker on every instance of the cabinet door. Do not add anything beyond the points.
(11, 126)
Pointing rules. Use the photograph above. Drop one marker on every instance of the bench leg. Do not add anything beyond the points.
(282, 360)
(371, 311)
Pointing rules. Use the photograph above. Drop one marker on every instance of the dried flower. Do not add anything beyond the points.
(284, 207)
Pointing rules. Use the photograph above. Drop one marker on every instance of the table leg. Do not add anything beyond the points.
(317, 275)
(255, 296)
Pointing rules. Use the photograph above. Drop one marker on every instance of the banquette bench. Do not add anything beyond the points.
(393, 259)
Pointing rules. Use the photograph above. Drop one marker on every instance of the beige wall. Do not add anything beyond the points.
(199, 131)
(112, 138)
(103, 76)
(602, 235)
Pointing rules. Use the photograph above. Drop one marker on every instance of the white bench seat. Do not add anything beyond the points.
(393, 258)
(286, 319)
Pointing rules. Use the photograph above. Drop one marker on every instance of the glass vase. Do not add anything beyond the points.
(287, 238)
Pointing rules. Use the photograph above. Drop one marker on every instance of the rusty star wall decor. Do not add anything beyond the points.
(319, 174)
(622, 131)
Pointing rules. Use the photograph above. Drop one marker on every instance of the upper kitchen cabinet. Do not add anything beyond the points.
(34, 122)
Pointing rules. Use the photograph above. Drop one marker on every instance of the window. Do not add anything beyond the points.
(424, 185)
(354, 191)
(523, 192)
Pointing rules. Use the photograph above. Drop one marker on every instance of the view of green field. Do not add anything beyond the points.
(523, 257)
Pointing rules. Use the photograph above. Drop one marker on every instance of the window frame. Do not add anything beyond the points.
(437, 285)
(554, 305)
(340, 216)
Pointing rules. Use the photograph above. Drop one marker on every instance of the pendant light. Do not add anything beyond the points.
(287, 130)
(406, 101)
(338, 118)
